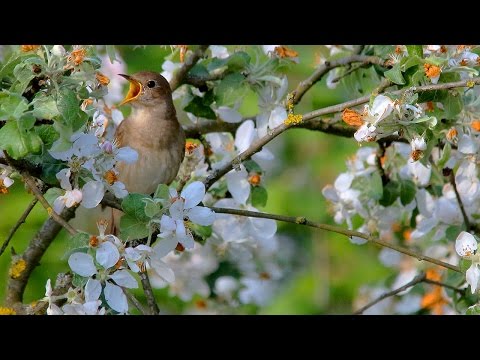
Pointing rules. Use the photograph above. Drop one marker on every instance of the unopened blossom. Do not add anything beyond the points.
(466, 246)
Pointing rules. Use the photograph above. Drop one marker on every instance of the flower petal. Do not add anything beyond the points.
(228, 114)
(193, 194)
(107, 254)
(115, 298)
(93, 289)
(201, 215)
(238, 185)
(125, 279)
(127, 155)
(163, 246)
(465, 245)
(472, 276)
(93, 192)
(244, 136)
(163, 270)
(82, 264)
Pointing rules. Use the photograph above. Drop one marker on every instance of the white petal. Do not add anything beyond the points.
(7, 182)
(244, 136)
(167, 223)
(73, 197)
(132, 254)
(54, 310)
(91, 307)
(201, 215)
(176, 209)
(59, 204)
(382, 107)
(193, 194)
(228, 114)
(93, 192)
(238, 185)
(163, 246)
(265, 228)
(277, 117)
(219, 51)
(82, 264)
(93, 289)
(64, 177)
(163, 270)
(48, 288)
(330, 193)
(125, 279)
(119, 190)
(343, 182)
(187, 241)
(107, 254)
(472, 276)
(465, 245)
(467, 145)
(115, 297)
(127, 154)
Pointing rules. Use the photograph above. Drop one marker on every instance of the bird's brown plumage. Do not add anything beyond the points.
(154, 132)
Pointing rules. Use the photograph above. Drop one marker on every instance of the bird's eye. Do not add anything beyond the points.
(151, 84)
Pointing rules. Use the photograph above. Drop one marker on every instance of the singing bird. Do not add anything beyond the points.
(153, 130)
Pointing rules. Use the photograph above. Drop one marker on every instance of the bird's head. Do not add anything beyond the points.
(147, 88)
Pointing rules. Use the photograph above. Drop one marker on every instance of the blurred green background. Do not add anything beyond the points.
(334, 269)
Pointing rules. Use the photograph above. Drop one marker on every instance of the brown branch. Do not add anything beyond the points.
(31, 257)
(447, 286)
(339, 230)
(199, 82)
(416, 280)
(208, 126)
(460, 202)
(147, 288)
(38, 194)
(323, 69)
(18, 223)
(180, 75)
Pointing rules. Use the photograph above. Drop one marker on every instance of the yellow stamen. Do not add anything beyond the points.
(475, 124)
(3, 188)
(27, 48)
(110, 177)
(285, 52)
(93, 242)
(102, 79)
(7, 311)
(431, 70)
(190, 146)
(452, 133)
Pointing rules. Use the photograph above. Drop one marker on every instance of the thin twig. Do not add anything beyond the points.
(17, 224)
(416, 280)
(300, 220)
(32, 255)
(460, 202)
(323, 69)
(38, 194)
(133, 300)
(447, 286)
(147, 288)
(190, 61)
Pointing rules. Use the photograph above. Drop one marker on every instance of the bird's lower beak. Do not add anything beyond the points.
(134, 91)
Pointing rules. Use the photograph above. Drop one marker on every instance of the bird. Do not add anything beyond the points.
(153, 130)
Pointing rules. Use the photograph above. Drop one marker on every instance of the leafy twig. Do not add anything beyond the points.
(459, 200)
(180, 75)
(18, 223)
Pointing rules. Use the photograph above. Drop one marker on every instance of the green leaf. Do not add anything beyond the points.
(391, 191)
(52, 193)
(238, 61)
(162, 192)
(12, 106)
(415, 50)
(19, 143)
(230, 89)
(473, 310)
(259, 196)
(376, 186)
(44, 107)
(202, 231)
(453, 105)
(200, 106)
(434, 60)
(133, 204)
(68, 106)
(133, 228)
(409, 62)
(23, 74)
(395, 75)
(252, 166)
(151, 207)
(452, 232)
(199, 71)
(464, 264)
(447, 149)
(13, 61)
(47, 133)
(407, 191)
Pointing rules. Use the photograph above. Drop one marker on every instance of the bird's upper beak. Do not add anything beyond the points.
(134, 91)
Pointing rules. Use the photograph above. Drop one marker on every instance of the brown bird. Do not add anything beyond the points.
(154, 132)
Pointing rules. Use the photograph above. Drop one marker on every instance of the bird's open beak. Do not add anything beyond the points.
(134, 91)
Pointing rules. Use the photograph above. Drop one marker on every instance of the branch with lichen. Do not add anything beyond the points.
(23, 265)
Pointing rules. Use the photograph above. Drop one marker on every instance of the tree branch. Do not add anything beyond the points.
(38, 194)
(416, 280)
(308, 122)
(147, 288)
(339, 230)
(323, 69)
(460, 202)
(447, 286)
(133, 300)
(180, 75)
(31, 257)
(18, 223)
